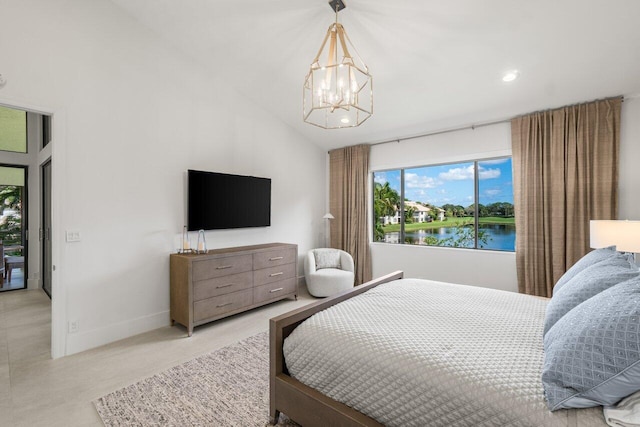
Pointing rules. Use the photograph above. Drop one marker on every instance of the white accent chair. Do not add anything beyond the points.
(334, 273)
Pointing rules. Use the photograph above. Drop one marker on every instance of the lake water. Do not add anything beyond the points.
(500, 237)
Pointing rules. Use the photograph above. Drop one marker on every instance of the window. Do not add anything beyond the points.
(464, 205)
(13, 130)
(46, 130)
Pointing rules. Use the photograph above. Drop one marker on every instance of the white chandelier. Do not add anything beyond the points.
(338, 89)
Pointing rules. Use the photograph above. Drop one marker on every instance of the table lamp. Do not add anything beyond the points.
(625, 235)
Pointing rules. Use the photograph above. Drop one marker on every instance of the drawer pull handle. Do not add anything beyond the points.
(223, 305)
(223, 267)
(276, 258)
(224, 286)
(279, 273)
(275, 290)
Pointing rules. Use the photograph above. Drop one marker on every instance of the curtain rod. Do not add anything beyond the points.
(439, 132)
(495, 122)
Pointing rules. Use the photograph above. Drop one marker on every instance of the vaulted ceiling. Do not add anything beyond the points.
(436, 65)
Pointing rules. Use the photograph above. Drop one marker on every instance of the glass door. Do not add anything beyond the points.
(45, 231)
(13, 197)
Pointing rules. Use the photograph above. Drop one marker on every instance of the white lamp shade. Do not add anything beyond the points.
(624, 235)
(328, 216)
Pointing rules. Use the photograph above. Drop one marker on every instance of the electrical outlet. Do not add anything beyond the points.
(74, 326)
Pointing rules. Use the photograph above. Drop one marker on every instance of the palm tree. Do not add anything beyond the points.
(408, 214)
(385, 203)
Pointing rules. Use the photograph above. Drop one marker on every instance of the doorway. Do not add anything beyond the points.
(13, 226)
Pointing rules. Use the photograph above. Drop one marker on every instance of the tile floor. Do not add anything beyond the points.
(38, 391)
(17, 281)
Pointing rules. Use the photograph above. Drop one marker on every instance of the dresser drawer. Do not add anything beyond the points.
(273, 274)
(210, 268)
(273, 258)
(222, 285)
(215, 306)
(274, 290)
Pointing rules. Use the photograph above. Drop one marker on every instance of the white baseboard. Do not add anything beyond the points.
(33, 284)
(82, 341)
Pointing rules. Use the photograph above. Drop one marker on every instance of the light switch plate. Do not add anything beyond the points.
(73, 236)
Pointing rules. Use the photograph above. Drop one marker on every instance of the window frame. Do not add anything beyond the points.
(401, 216)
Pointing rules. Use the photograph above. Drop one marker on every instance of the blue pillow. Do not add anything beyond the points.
(584, 262)
(587, 283)
(592, 354)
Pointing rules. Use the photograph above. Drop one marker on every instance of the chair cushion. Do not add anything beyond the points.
(327, 258)
(329, 281)
(592, 354)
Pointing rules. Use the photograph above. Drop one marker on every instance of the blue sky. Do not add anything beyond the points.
(453, 183)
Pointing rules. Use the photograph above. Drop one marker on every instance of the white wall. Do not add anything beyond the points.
(131, 115)
(474, 267)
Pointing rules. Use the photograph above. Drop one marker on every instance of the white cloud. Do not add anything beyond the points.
(457, 174)
(488, 173)
(413, 180)
(380, 178)
(460, 174)
(493, 192)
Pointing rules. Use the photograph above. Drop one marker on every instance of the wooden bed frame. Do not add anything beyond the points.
(299, 402)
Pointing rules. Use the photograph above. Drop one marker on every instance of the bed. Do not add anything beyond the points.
(400, 351)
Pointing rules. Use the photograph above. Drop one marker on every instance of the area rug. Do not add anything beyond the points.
(229, 387)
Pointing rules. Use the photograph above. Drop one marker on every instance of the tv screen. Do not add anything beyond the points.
(218, 201)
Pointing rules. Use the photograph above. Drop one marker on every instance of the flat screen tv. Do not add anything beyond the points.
(219, 201)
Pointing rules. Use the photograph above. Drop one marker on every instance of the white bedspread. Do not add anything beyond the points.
(423, 353)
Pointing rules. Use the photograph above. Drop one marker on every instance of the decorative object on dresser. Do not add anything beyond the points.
(202, 243)
(223, 282)
(185, 246)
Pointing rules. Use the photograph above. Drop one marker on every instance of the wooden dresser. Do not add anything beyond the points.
(227, 281)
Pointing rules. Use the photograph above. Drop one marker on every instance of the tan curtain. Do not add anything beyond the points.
(348, 184)
(565, 173)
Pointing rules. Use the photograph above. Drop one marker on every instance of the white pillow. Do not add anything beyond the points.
(327, 258)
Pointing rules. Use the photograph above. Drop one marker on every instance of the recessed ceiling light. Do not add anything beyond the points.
(344, 120)
(510, 76)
